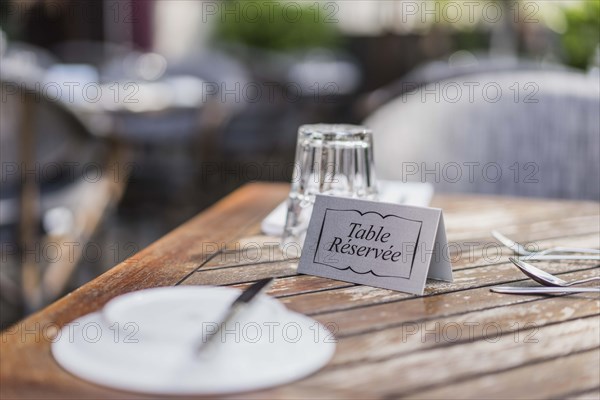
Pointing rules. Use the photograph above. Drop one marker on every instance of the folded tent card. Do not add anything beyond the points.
(378, 244)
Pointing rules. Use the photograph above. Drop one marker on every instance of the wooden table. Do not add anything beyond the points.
(458, 341)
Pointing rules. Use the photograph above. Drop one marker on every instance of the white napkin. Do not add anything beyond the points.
(410, 194)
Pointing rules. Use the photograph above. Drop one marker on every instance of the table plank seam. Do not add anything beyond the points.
(391, 326)
(435, 294)
(466, 378)
(266, 245)
(397, 325)
(246, 264)
(580, 392)
(456, 343)
(196, 269)
(584, 232)
(335, 310)
(200, 271)
(285, 296)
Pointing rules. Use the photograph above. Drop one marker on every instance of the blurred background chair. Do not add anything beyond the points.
(58, 182)
(459, 64)
(520, 141)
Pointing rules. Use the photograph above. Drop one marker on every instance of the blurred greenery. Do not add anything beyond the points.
(582, 36)
(276, 25)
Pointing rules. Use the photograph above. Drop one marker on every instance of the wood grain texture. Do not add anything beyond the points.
(555, 378)
(459, 340)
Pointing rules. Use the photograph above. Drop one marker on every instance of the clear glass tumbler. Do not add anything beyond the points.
(331, 159)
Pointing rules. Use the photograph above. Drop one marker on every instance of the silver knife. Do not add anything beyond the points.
(238, 305)
(547, 257)
(542, 290)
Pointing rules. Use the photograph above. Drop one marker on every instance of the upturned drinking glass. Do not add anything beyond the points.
(331, 159)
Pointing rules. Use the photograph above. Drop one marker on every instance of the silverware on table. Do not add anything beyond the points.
(235, 308)
(542, 290)
(546, 278)
(554, 253)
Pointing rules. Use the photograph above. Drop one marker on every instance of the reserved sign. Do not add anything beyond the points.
(378, 244)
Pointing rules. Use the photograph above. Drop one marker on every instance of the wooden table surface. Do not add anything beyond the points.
(459, 340)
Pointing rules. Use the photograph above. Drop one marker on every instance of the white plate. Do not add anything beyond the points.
(268, 346)
(169, 313)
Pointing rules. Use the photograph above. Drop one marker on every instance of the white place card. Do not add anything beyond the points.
(377, 244)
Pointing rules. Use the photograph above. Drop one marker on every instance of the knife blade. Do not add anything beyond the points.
(240, 303)
(548, 257)
(542, 290)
